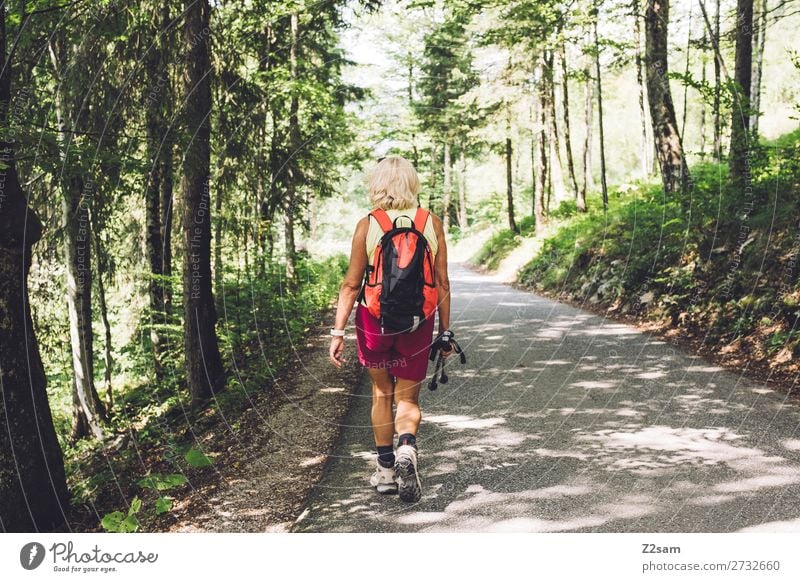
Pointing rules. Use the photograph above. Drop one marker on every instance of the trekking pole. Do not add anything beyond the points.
(444, 340)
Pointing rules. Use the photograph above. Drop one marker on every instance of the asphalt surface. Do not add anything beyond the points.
(566, 421)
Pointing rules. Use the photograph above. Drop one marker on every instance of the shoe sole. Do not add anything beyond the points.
(386, 489)
(408, 485)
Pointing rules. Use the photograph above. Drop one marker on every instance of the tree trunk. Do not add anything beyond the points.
(549, 187)
(740, 117)
(674, 173)
(717, 85)
(540, 185)
(533, 122)
(33, 487)
(204, 371)
(702, 102)
(88, 411)
(446, 187)
(410, 88)
(288, 234)
(512, 224)
(264, 204)
(294, 146)
(167, 187)
(588, 108)
(462, 189)
(453, 203)
(556, 167)
(218, 282)
(166, 180)
(645, 148)
(603, 182)
(108, 360)
(686, 74)
(278, 200)
(155, 247)
(573, 182)
(157, 99)
(432, 197)
(761, 35)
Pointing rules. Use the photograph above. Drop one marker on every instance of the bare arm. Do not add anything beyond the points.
(440, 274)
(350, 287)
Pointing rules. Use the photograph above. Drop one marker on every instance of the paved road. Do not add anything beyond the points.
(566, 421)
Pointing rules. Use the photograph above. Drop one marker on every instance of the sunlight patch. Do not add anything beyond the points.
(593, 384)
(650, 375)
(454, 421)
(421, 517)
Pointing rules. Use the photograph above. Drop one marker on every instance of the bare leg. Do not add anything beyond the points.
(382, 421)
(406, 397)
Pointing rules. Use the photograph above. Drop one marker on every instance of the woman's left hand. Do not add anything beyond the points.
(337, 348)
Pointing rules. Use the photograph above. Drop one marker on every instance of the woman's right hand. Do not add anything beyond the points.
(336, 351)
(447, 353)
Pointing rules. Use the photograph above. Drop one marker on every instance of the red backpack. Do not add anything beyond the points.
(399, 287)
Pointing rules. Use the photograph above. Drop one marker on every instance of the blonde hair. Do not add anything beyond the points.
(393, 183)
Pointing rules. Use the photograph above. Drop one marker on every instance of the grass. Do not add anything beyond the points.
(724, 261)
(260, 323)
(501, 243)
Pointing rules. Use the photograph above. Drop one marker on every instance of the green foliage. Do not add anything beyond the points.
(162, 482)
(500, 244)
(491, 211)
(259, 316)
(284, 134)
(566, 209)
(586, 246)
(694, 268)
(447, 74)
(119, 522)
(163, 504)
(196, 458)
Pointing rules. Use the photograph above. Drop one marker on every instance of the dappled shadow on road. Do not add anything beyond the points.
(563, 421)
(490, 477)
(682, 457)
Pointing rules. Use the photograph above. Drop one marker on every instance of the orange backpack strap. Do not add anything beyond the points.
(420, 218)
(383, 219)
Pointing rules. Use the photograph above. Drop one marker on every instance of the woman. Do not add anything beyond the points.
(397, 362)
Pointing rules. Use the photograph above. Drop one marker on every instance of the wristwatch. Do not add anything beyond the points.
(337, 332)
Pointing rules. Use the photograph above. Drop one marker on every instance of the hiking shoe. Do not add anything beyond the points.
(405, 473)
(383, 479)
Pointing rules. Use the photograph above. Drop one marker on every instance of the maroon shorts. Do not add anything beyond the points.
(405, 355)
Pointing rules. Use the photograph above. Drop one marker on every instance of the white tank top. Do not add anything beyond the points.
(375, 232)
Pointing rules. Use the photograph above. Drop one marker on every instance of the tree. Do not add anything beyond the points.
(204, 372)
(292, 173)
(573, 182)
(462, 186)
(158, 186)
(447, 186)
(446, 76)
(603, 183)
(674, 171)
(686, 75)
(556, 176)
(512, 224)
(70, 66)
(743, 71)
(645, 144)
(540, 184)
(33, 487)
(761, 35)
(715, 38)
